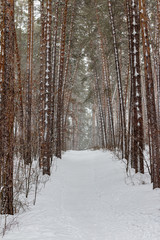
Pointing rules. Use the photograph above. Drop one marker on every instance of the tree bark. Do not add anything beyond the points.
(150, 97)
(8, 108)
(28, 157)
(60, 83)
(136, 99)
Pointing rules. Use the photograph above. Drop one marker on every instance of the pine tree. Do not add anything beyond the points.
(8, 110)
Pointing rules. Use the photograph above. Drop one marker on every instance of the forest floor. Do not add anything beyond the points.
(90, 197)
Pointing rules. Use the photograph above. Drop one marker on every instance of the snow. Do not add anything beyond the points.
(90, 197)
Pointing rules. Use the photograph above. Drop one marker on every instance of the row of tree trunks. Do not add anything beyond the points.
(68, 102)
(67, 68)
(107, 88)
(119, 84)
(101, 113)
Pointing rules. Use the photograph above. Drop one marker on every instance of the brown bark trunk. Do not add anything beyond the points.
(8, 108)
(28, 156)
(137, 115)
(60, 84)
(150, 97)
(47, 154)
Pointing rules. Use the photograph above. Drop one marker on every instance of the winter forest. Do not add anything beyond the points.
(80, 116)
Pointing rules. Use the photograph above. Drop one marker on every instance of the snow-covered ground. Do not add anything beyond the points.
(88, 197)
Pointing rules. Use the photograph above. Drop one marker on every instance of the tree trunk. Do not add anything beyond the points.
(150, 97)
(8, 109)
(28, 157)
(60, 84)
(47, 154)
(136, 99)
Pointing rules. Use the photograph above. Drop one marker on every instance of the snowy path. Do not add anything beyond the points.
(87, 199)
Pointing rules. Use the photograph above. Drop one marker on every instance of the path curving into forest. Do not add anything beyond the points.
(87, 198)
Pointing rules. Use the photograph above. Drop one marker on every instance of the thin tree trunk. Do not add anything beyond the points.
(41, 90)
(28, 157)
(54, 63)
(47, 155)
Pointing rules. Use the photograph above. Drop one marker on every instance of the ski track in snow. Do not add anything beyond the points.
(87, 198)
